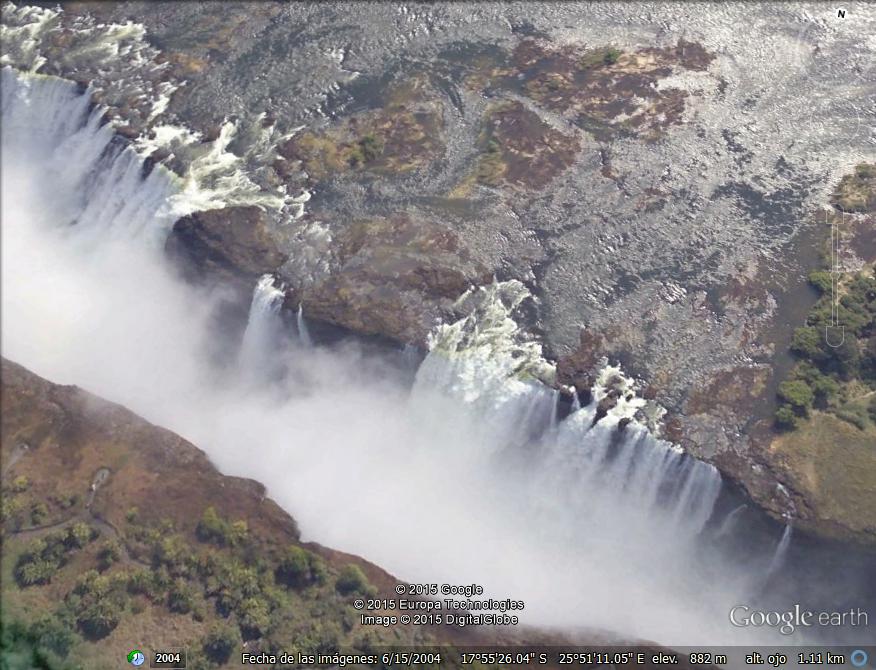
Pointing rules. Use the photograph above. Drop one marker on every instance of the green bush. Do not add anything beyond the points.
(821, 280)
(20, 484)
(38, 513)
(80, 534)
(24, 647)
(786, 418)
(371, 148)
(213, 528)
(351, 579)
(299, 568)
(52, 634)
(43, 557)
(180, 597)
(611, 56)
(798, 394)
(856, 417)
(109, 554)
(808, 342)
(97, 603)
(220, 641)
(254, 617)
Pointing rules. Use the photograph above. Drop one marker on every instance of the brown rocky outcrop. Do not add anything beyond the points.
(232, 245)
(396, 276)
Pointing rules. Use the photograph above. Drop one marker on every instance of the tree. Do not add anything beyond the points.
(295, 567)
(254, 617)
(798, 394)
(352, 580)
(180, 597)
(821, 280)
(109, 554)
(807, 342)
(80, 534)
(220, 641)
(213, 528)
(786, 418)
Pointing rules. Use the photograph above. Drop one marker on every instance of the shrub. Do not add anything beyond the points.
(352, 580)
(79, 534)
(220, 641)
(855, 417)
(38, 513)
(371, 148)
(39, 571)
(298, 568)
(41, 559)
(786, 418)
(253, 615)
(213, 528)
(52, 634)
(821, 280)
(807, 342)
(97, 603)
(20, 484)
(611, 56)
(798, 394)
(180, 597)
(109, 554)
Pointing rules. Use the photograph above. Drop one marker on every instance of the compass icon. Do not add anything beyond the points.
(136, 657)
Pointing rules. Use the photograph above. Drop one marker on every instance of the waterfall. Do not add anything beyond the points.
(548, 511)
(108, 192)
(483, 364)
(730, 521)
(778, 559)
(257, 349)
(303, 333)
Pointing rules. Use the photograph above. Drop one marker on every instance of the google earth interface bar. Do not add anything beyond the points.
(548, 657)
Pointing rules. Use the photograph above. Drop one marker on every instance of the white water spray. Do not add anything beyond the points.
(303, 333)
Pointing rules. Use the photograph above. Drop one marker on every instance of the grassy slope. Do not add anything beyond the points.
(169, 483)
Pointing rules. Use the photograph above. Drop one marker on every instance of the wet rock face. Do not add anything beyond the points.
(232, 245)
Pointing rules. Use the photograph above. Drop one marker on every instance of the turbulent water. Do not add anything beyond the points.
(468, 477)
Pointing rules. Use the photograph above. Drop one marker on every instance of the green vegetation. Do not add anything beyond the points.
(857, 192)
(369, 148)
(220, 642)
(598, 57)
(41, 645)
(611, 56)
(299, 568)
(97, 602)
(353, 580)
(43, 557)
(217, 531)
(832, 378)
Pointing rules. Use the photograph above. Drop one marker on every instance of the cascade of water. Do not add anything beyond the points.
(104, 179)
(576, 402)
(781, 552)
(480, 362)
(730, 521)
(262, 327)
(303, 333)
